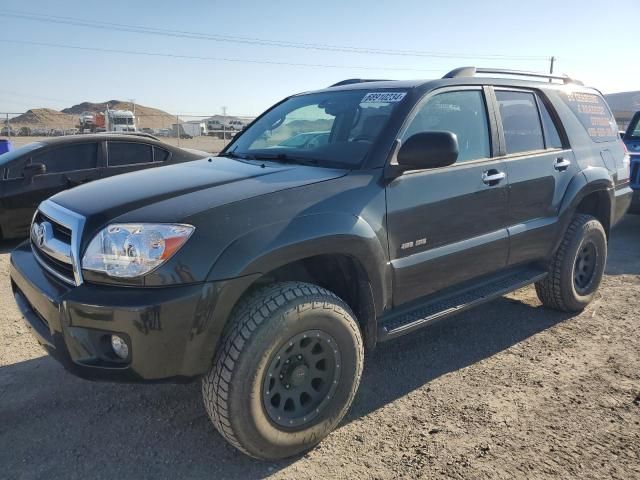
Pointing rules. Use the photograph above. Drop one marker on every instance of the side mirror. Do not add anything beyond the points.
(30, 171)
(428, 150)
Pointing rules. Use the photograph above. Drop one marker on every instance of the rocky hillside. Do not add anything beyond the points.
(147, 117)
(44, 117)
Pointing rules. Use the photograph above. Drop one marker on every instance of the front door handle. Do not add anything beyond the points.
(493, 177)
(561, 164)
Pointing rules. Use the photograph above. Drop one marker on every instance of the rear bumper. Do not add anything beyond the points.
(622, 197)
(635, 202)
(172, 331)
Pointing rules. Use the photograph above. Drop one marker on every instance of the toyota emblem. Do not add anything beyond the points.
(40, 233)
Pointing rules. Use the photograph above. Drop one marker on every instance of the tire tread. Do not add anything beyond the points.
(245, 320)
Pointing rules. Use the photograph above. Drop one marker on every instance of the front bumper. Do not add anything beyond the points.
(172, 331)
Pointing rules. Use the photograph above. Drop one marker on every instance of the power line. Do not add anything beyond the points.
(256, 41)
(216, 59)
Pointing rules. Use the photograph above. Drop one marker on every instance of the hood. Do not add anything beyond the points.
(188, 187)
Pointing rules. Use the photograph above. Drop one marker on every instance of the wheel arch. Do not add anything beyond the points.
(339, 252)
(590, 192)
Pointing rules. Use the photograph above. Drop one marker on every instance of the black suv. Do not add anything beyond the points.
(269, 269)
(34, 172)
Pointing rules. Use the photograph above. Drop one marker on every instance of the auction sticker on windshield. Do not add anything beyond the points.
(383, 97)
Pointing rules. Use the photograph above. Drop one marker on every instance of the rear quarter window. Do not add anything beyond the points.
(129, 153)
(594, 115)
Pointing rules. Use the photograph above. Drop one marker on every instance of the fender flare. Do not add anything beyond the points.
(588, 181)
(267, 248)
(584, 183)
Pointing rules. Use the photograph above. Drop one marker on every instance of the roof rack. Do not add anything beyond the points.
(350, 81)
(472, 71)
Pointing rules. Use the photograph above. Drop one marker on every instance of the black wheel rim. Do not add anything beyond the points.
(301, 379)
(585, 267)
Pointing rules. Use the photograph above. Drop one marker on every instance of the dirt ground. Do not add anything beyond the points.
(510, 390)
(204, 143)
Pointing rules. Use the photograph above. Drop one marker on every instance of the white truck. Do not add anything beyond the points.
(120, 121)
(189, 129)
(87, 122)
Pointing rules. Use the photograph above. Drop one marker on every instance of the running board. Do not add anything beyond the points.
(441, 307)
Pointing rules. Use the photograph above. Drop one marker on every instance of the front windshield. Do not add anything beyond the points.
(329, 129)
(19, 152)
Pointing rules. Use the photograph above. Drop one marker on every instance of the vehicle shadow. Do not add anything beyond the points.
(624, 255)
(52, 422)
(7, 245)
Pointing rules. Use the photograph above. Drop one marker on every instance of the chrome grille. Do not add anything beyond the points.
(55, 233)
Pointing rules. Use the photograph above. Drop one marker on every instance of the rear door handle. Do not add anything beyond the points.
(493, 177)
(561, 164)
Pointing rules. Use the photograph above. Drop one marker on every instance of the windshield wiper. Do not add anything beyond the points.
(231, 155)
(282, 157)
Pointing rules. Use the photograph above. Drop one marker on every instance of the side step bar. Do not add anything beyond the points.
(445, 306)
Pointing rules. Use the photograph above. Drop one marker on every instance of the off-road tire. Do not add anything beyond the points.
(258, 328)
(558, 290)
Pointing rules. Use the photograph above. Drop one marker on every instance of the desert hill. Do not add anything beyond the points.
(146, 117)
(44, 117)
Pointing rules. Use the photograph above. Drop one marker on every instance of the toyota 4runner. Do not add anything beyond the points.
(268, 270)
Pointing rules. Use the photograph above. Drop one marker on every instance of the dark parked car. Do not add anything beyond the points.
(34, 172)
(632, 141)
(267, 271)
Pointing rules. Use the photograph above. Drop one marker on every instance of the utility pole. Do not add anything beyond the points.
(552, 60)
(178, 128)
(224, 125)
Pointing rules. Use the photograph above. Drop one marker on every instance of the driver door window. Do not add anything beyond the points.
(463, 113)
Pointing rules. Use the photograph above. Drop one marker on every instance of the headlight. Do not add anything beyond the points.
(130, 250)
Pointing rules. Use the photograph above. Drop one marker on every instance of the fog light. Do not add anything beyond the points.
(119, 346)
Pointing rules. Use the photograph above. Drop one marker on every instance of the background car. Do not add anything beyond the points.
(34, 172)
(631, 139)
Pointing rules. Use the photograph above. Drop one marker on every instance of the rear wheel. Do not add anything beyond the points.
(577, 267)
(286, 371)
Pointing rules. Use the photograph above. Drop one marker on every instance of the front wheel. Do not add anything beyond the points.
(286, 371)
(577, 268)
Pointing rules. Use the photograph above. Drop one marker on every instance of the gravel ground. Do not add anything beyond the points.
(508, 390)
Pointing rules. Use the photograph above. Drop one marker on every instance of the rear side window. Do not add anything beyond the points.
(594, 115)
(520, 121)
(463, 113)
(69, 158)
(551, 136)
(160, 154)
(129, 153)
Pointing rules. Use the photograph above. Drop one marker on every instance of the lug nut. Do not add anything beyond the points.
(287, 386)
(299, 357)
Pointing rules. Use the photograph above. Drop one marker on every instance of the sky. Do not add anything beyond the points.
(591, 40)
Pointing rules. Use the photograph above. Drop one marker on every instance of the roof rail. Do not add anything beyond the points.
(134, 134)
(350, 81)
(472, 71)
